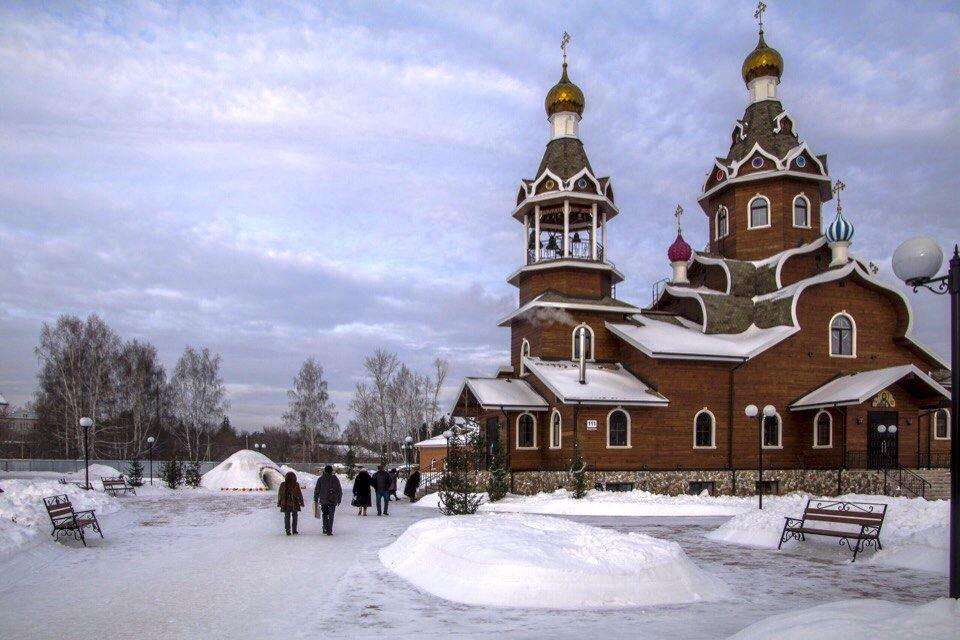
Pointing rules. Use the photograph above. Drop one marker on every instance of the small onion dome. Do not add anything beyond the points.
(564, 96)
(679, 251)
(762, 61)
(840, 230)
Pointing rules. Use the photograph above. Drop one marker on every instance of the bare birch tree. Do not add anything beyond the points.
(310, 411)
(141, 379)
(198, 398)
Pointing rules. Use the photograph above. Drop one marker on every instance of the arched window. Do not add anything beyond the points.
(524, 353)
(759, 212)
(588, 341)
(526, 431)
(704, 430)
(801, 211)
(618, 429)
(722, 224)
(823, 430)
(941, 425)
(843, 336)
(556, 423)
(772, 436)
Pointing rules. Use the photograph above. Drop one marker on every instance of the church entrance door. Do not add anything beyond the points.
(883, 439)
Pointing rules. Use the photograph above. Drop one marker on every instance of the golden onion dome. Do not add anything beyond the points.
(564, 96)
(762, 61)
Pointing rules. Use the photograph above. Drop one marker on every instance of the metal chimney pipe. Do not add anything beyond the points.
(582, 338)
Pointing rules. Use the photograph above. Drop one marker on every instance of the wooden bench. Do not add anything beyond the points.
(73, 482)
(856, 524)
(67, 521)
(116, 486)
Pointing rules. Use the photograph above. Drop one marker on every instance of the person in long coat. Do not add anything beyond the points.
(327, 495)
(290, 501)
(413, 483)
(361, 492)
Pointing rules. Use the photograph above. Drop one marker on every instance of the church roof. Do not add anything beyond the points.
(552, 299)
(564, 157)
(606, 383)
(506, 393)
(759, 125)
(857, 388)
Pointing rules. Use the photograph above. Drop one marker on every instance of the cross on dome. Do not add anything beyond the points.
(837, 188)
(676, 214)
(758, 14)
(564, 43)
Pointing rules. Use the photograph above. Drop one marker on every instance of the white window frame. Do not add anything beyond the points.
(793, 212)
(853, 338)
(524, 353)
(713, 429)
(517, 439)
(573, 342)
(816, 419)
(779, 444)
(559, 427)
(716, 223)
(935, 436)
(769, 213)
(629, 429)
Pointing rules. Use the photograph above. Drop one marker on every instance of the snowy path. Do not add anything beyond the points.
(218, 566)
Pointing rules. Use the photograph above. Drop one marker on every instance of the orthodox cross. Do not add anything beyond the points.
(564, 43)
(677, 214)
(837, 188)
(758, 14)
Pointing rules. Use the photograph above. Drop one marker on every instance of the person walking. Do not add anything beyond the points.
(381, 484)
(361, 492)
(290, 501)
(413, 483)
(328, 495)
(393, 484)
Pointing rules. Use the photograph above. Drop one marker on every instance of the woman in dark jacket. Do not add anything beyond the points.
(413, 483)
(290, 501)
(361, 492)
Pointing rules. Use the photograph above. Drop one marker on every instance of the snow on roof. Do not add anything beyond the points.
(441, 441)
(860, 387)
(607, 383)
(504, 393)
(659, 339)
(551, 299)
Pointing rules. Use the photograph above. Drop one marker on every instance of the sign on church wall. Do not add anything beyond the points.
(884, 399)
(591, 425)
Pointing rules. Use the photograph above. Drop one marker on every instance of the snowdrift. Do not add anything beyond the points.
(243, 471)
(914, 535)
(861, 620)
(97, 471)
(528, 561)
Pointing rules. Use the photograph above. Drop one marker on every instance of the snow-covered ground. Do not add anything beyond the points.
(198, 563)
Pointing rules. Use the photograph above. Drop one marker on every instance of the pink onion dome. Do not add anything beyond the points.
(679, 251)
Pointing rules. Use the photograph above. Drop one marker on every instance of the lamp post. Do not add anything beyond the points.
(751, 411)
(85, 424)
(408, 450)
(150, 441)
(917, 262)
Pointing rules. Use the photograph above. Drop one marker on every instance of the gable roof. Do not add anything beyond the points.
(857, 388)
(506, 393)
(607, 383)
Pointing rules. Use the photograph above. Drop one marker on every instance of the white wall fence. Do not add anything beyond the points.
(70, 466)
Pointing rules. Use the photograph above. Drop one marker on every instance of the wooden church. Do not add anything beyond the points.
(777, 313)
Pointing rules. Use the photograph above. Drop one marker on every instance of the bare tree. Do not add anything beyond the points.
(310, 411)
(198, 398)
(141, 379)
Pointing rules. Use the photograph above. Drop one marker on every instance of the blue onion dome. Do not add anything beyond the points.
(840, 230)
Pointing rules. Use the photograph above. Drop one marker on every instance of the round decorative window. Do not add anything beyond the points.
(719, 174)
(801, 162)
(582, 183)
(550, 184)
(757, 162)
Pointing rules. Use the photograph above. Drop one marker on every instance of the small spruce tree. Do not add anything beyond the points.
(172, 473)
(499, 483)
(192, 475)
(458, 495)
(135, 472)
(578, 472)
(351, 462)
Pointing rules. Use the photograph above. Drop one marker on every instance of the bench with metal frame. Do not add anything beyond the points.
(861, 521)
(67, 521)
(116, 486)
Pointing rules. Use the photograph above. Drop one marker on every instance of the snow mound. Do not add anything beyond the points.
(243, 471)
(861, 620)
(23, 514)
(97, 471)
(527, 561)
(914, 533)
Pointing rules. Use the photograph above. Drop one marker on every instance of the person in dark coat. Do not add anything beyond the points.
(393, 484)
(328, 495)
(413, 483)
(361, 492)
(381, 484)
(290, 501)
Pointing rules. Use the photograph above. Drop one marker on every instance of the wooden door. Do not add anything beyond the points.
(883, 439)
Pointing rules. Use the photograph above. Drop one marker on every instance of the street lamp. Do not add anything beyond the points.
(917, 262)
(150, 441)
(408, 450)
(85, 424)
(752, 412)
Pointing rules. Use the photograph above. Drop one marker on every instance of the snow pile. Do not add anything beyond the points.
(243, 471)
(861, 620)
(914, 533)
(527, 561)
(304, 479)
(97, 471)
(23, 514)
(614, 503)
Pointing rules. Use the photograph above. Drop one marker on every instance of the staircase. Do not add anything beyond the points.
(939, 479)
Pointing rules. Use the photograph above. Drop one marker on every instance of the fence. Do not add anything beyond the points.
(72, 466)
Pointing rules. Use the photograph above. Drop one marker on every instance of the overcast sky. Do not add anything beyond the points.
(290, 179)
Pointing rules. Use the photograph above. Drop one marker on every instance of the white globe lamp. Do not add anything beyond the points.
(917, 259)
(751, 410)
(769, 411)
